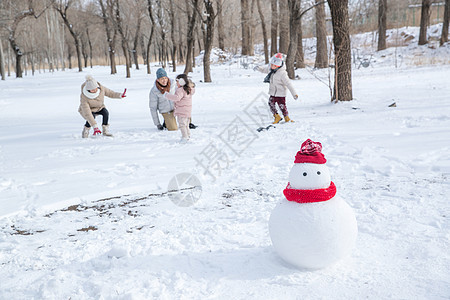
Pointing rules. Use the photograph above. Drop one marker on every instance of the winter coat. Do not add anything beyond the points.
(183, 102)
(279, 81)
(157, 102)
(89, 106)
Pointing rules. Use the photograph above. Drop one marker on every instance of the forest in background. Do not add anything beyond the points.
(59, 34)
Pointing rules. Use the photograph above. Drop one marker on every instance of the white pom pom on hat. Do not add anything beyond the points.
(91, 83)
(181, 81)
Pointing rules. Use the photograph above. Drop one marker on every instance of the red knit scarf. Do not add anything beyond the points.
(309, 196)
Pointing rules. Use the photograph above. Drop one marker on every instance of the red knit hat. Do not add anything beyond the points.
(310, 152)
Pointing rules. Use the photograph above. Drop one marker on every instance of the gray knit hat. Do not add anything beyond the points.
(91, 83)
(161, 73)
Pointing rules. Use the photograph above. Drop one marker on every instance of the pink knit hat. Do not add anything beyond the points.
(310, 152)
(277, 59)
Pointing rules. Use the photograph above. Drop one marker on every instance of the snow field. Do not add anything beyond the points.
(126, 240)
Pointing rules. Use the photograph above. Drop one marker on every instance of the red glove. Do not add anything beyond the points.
(123, 95)
(97, 131)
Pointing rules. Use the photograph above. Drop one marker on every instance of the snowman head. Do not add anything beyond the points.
(310, 171)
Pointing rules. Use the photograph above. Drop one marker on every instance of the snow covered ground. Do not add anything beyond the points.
(90, 218)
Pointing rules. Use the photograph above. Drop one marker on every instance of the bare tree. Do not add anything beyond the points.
(208, 21)
(382, 10)
(424, 21)
(118, 24)
(62, 7)
(90, 46)
(50, 42)
(245, 25)
(84, 52)
(172, 36)
(295, 56)
(321, 36)
(180, 43)
(264, 30)
(342, 52)
(274, 27)
(2, 62)
(284, 26)
(252, 28)
(111, 34)
(191, 10)
(137, 34)
(152, 31)
(294, 25)
(162, 34)
(17, 19)
(220, 28)
(300, 56)
(444, 35)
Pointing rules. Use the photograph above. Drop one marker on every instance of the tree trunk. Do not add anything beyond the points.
(424, 21)
(69, 56)
(117, 19)
(159, 16)
(300, 57)
(143, 49)
(274, 28)
(2, 62)
(173, 52)
(25, 65)
(382, 10)
(12, 38)
(180, 44)
(209, 38)
(444, 35)
(110, 37)
(245, 25)
(49, 26)
(264, 30)
(78, 49)
(321, 36)
(33, 69)
(220, 30)
(60, 40)
(252, 29)
(84, 52)
(75, 35)
(90, 47)
(136, 43)
(193, 55)
(152, 31)
(112, 54)
(342, 50)
(190, 36)
(18, 53)
(294, 24)
(284, 26)
(127, 57)
(9, 62)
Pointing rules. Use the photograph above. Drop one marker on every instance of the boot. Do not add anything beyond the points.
(277, 119)
(106, 130)
(85, 133)
(287, 119)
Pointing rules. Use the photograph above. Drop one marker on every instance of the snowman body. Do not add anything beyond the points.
(317, 228)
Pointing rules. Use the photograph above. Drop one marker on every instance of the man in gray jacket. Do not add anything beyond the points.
(159, 104)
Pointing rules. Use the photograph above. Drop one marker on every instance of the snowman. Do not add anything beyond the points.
(312, 228)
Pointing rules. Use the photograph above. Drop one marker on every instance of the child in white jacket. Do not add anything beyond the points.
(279, 81)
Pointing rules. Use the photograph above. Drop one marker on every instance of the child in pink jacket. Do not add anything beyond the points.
(183, 104)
